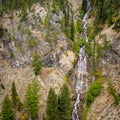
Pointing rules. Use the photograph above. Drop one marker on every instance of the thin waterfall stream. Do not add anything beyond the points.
(82, 83)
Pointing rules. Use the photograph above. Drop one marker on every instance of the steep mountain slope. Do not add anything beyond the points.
(20, 39)
(103, 107)
(55, 32)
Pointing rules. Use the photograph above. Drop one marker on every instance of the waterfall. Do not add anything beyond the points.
(82, 83)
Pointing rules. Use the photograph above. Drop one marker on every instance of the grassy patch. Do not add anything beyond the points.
(84, 115)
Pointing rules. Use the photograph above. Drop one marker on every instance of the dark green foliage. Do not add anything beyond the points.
(88, 49)
(79, 21)
(36, 63)
(52, 105)
(15, 98)
(112, 92)
(1, 85)
(17, 4)
(117, 25)
(93, 91)
(63, 24)
(92, 32)
(72, 29)
(84, 5)
(64, 103)
(67, 21)
(105, 11)
(62, 4)
(23, 5)
(7, 109)
(32, 97)
(1, 30)
(55, 6)
(44, 118)
(76, 45)
(79, 25)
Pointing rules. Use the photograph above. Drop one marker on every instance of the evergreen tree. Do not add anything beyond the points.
(36, 63)
(64, 103)
(52, 105)
(32, 99)
(72, 29)
(15, 98)
(67, 20)
(84, 5)
(79, 21)
(7, 109)
(62, 5)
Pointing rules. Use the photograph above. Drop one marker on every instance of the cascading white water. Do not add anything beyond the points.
(82, 83)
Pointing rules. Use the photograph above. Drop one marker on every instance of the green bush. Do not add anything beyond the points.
(93, 91)
(31, 43)
(88, 49)
(77, 44)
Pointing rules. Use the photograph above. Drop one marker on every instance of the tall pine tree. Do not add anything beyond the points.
(32, 99)
(72, 29)
(7, 109)
(36, 63)
(64, 103)
(15, 98)
(52, 105)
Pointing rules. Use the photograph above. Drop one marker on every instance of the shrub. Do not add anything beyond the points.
(31, 43)
(66, 78)
(88, 49)
(24, 116)
(93, 91)
(12, 54)
(77, 44)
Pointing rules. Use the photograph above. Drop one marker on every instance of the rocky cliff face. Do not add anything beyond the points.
(103, 107)
(19, 41)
